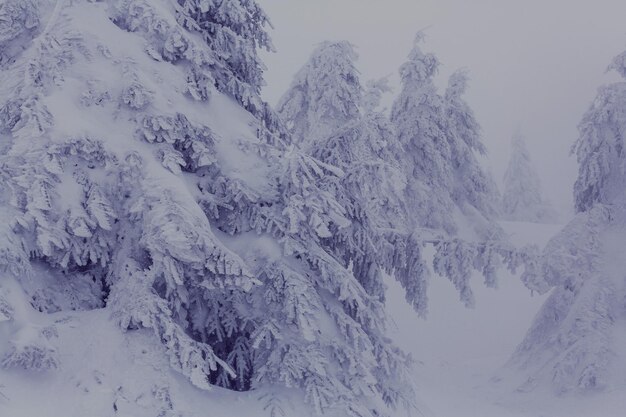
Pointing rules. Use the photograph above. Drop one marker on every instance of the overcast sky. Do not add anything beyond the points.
(533, 63)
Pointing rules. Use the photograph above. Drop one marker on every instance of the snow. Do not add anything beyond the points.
(104, 372)
(461, 353)
(75, 360)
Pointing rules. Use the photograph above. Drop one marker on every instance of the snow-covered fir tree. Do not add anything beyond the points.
(449, 197)
(142, 175)
(441, 140)
(341, 126)
(576, 341)
(419, 118)
(183, 210)
(522, 199)
(473, 187)
(324, 95)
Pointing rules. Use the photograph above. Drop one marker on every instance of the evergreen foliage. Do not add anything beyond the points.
(255, 256)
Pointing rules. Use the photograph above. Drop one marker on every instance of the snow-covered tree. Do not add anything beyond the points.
(324, 95)
(418, 115)
(574, 342)
(340, 125)
(142, 174)
(183, 210)
(441, 142)
(522, 199)
(474, 189)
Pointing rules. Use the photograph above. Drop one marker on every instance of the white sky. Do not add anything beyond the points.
(533, 63)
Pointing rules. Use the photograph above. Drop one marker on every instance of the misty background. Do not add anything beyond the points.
(535, 64)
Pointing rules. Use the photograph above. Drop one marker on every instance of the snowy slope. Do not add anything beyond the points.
(460, 353)
(138, 189)
(103, 372)
(137, 199)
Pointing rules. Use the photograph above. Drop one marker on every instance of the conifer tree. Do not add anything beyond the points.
(473, 186)
(418, 114)
(325, 94)
(522, 199)
(441, 142)
(132, 198)
(376, 188)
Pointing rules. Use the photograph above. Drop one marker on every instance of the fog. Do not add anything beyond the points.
(534, 64)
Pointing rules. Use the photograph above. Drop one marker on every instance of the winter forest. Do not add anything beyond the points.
(288, 209)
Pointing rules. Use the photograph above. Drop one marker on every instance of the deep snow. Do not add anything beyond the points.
(461, 353)
(459, 357)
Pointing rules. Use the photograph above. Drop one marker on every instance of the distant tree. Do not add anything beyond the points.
(522, 199)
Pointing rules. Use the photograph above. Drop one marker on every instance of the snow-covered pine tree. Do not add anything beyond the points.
(576, 341)
(325, 94)
(339, 124)
(474, 189)
(522, 199)
(418, 115)
(182, 209)
(441, 141)
(449, 197)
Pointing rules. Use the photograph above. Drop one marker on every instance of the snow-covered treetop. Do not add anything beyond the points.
(460, 113)
(419, 66)
(619, 64)
(234, 30)
(324, 95)
(417, 114)
(441, 139)
(219, 40)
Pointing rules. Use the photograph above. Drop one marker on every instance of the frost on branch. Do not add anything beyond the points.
(32, 350)
(19, 22)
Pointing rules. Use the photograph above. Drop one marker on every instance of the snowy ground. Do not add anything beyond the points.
(461, 352)
(104, 372)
